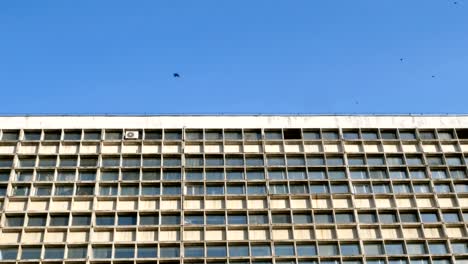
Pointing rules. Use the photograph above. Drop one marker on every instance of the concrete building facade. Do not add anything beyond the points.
(234, 189)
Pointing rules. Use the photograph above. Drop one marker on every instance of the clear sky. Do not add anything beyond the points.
(234, 56)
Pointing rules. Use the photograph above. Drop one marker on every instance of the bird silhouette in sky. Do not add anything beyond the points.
(176, 75)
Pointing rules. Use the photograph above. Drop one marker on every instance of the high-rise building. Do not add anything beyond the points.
(234, 189)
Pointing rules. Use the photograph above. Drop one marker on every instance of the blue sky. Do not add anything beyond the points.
(242, 56)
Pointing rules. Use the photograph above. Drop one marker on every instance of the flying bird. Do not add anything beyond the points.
(433, 76)
(176, 75)
(401, 59)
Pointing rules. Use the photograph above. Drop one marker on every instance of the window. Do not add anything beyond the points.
(350, 135)
(297, 174)
(235, 161)
(429, 217)
(10, 135)
(295, 161)
(355, 160)
(458, 174)
(194, 251)
(299, 188)
(378, 174)
(235, 189)
(260, 250)
(407, 135)
(339, 188)
(322, 218)
(85, 190)
(64, 190)
(39, 220)
(281, 218)
(72, 135)
(437, 248)
(215, 189)
(435, 160)
(235, 175)
(92, 135)
(426, 135)
(32, 135)
(416, 248)
(21, 190)
(124, 252)
(13, 221)
(381, 188)
(169, 252)
(451, 217)
(44, 190)
(149, 219)
(193, 219)
(147, 251)
(195, 189)
(387, 218)
(31, 253)
(170, 220)
(151, 161)
(215, 220)
(408, 217)
(335, 161)
(306, 250)
(87, 176)
(110, 161)
(254, 161)
(359, 174)
(344, 218)
(238, 251)
(81, 220)
(315, 161)
(214, 161)
(77, 252)
(350, 249)
(375, 160)
(27, 162)
(171, 190)
(369, 135)
(127, 219)
(255, 219)
(171, 161)
(398, 174)
(459, 247)
(54, 252)
(256, 189)
(328, 250)
(150, 190)
(373, 249)
(213, 135)
(45, 175)
(442, 188)
(367, 218)
(59, 220)
(113, 135)
(414, 160)
(319, 188)
(104, 220)
(394, 248)
(395, 160)
(255, 175)
(68, 161)
(278, 188)
(418, 174)
(317, 175)
(172, 135)
(216, 251)
(237, 219)
(193, 175)
(421, 188)
(102, 252)
(388, 134)
(302, 218)
(232, 135)
(284, 250)
(362, 188)
(336, 174)
(214, 175)
(401, 188)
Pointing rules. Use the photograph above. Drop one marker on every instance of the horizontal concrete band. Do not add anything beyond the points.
(260, 121)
